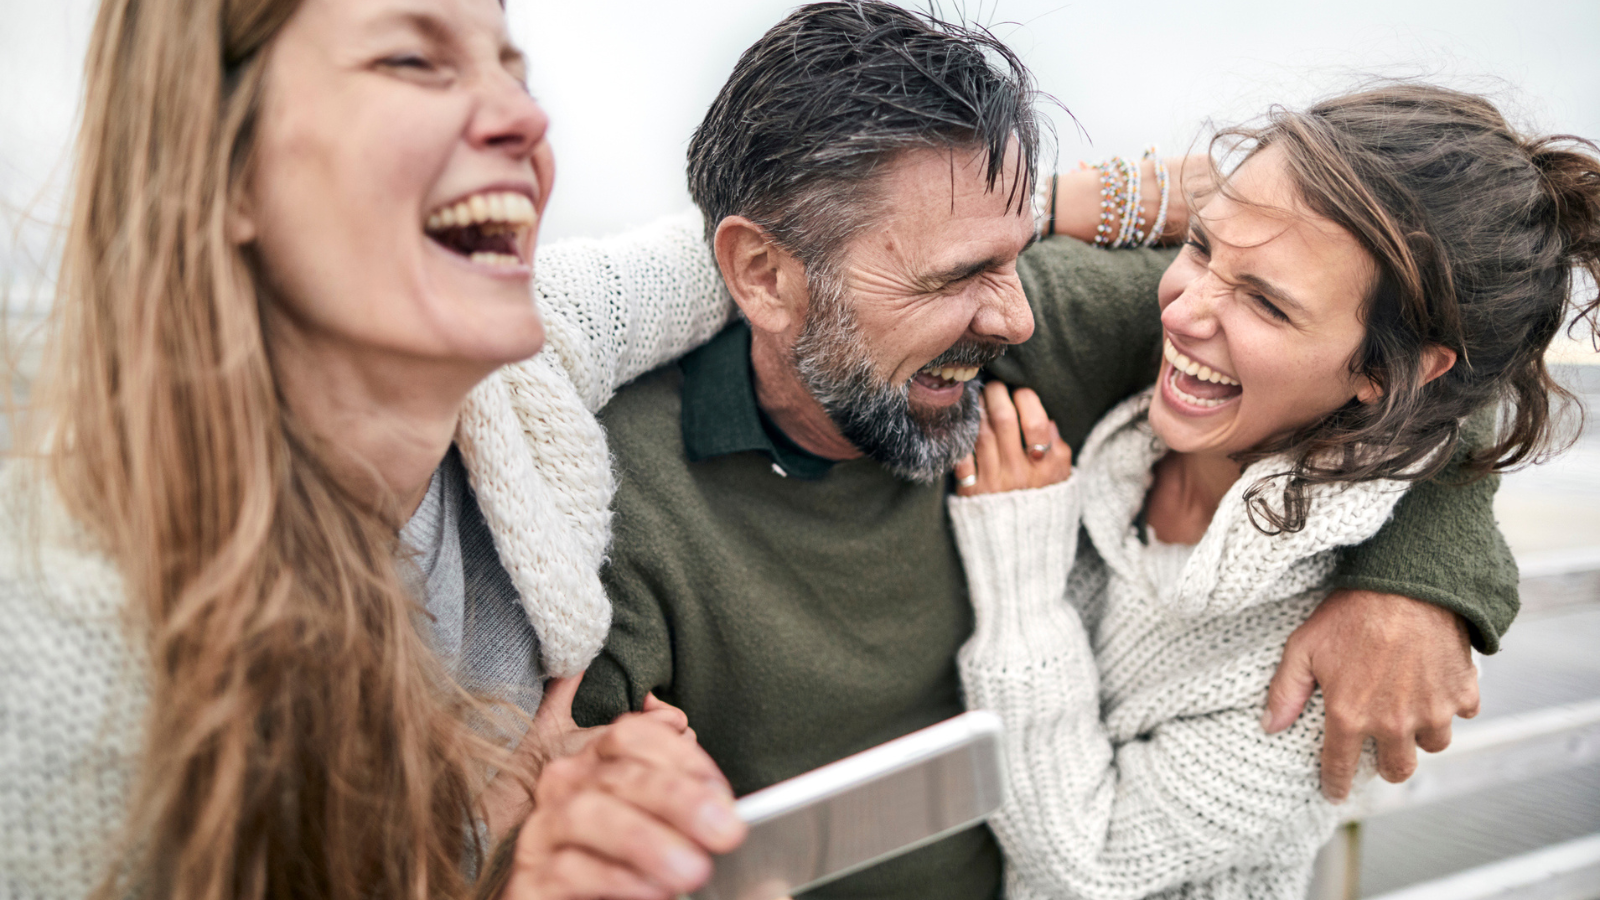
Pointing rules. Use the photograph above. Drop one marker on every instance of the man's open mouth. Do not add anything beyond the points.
(490, 228)
(942, 377)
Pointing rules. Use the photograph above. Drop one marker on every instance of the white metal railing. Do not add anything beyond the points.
(1569, 871)
(1494, 752)
(1487, 754)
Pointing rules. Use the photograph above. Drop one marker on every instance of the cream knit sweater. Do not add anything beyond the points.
(73, 685)
(1137, 766)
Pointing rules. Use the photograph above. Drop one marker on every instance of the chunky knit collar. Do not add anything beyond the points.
(1235, 565)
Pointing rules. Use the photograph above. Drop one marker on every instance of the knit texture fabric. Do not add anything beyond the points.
(1137, 765)
(73, 679)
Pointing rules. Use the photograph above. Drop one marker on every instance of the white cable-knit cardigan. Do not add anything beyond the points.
(1137, 765)
(73, 685)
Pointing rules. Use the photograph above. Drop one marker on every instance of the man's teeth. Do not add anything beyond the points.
(954, 373)
(496, 259)
(1189, 367)
(504, 206)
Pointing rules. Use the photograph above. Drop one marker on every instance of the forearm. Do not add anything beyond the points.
(1085, 814)
(1444, 547)
(1079, 211)
(1097, 330)
(620, 306)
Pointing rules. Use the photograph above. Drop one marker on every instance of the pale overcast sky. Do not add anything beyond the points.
(625, 81)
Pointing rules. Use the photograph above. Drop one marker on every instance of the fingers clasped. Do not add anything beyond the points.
(636, 814)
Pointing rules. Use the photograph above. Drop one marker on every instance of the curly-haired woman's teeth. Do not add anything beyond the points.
(1189, 367)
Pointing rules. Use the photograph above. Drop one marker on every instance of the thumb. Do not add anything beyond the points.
(1291, 688)
(556, 706)
(666, 713)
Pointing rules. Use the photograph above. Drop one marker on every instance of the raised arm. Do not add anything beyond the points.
(620, 306)
(1186, 798)
(1392, 664)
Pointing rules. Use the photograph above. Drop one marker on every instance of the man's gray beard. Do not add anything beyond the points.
(833, 362)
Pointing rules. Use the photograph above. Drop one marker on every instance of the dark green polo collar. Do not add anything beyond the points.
(720, 415)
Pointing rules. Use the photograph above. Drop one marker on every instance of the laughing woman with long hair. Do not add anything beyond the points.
(286, 569)
(1378, 269)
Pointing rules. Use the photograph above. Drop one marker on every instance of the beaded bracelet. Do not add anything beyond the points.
(1163, 184)
(1110, 199)
(1124, 203)
(1132, 210)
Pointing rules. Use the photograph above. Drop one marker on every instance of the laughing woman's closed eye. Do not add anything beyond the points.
(294, 603)
(1378, 268)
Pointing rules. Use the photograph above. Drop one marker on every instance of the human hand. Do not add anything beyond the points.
(554, 734)
(634, 816)
(1018, 446)
(1391, 668)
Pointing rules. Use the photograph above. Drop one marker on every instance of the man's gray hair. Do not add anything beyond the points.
(817, 106)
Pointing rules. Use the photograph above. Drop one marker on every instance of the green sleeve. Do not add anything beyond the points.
(1443, 546)
(1097, 333)
(637, 657)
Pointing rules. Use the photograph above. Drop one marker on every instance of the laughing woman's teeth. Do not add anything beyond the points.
(495, 259)
(1188, 366)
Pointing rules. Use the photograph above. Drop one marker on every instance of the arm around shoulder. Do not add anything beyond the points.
(1442, 546)
(620, 306)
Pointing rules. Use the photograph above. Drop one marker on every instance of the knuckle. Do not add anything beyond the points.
(1343, 720)
(1395, 727)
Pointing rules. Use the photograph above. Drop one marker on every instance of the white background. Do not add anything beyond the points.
(625, 82)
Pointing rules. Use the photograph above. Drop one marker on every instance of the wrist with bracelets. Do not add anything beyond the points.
(1121, 202)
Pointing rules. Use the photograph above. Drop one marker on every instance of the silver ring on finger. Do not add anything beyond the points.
(966, 481)
(1039, 449)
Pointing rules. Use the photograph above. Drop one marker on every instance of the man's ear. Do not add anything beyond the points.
(761, 276)
(1436, 360)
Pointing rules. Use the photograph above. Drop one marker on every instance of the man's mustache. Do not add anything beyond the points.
(968, 353)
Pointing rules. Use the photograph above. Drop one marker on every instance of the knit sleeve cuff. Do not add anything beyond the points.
(1017, 548)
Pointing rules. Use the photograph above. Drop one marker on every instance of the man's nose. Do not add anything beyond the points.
(1004, 317)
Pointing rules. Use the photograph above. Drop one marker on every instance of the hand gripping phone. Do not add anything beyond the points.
(864, 809)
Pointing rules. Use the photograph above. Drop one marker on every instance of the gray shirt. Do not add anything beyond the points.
(476, 625)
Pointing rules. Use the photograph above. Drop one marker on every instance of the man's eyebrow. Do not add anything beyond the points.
(959, 272)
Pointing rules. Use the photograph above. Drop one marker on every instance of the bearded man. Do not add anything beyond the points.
(783, 569)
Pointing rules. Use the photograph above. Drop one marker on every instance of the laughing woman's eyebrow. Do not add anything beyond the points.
(1272, 292)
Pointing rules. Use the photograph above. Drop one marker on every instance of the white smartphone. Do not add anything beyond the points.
(864, 809)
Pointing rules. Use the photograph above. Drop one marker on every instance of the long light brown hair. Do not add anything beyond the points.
(303, 740)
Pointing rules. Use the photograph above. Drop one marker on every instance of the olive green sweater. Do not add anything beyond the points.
(799, 612)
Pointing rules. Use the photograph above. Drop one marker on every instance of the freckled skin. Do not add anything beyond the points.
(1292, 372)
(368, 125)
(941, 217)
